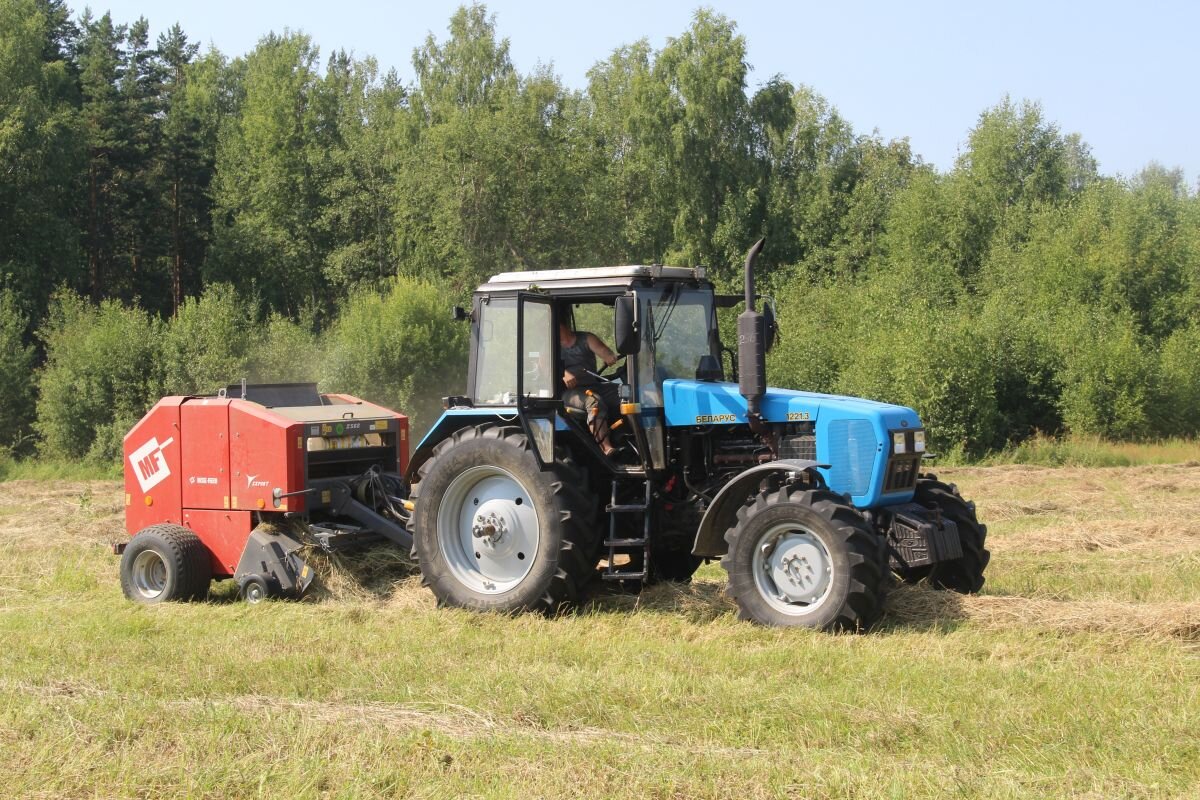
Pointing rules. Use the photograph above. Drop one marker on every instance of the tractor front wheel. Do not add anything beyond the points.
(494, 532)
(965, 574)
(803, 558)
(163, 563)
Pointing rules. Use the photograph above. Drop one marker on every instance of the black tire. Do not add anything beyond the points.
(165, 562)
(853, 597)
(963, 575)
(566, 516)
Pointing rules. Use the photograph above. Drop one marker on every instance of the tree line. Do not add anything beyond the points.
(171, 219)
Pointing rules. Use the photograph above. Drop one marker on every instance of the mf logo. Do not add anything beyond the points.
(148, 464)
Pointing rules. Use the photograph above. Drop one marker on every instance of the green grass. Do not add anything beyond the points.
(664, 697)
(1088, 451)
(17, 469)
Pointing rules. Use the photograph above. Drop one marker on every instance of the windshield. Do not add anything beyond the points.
(684, 327)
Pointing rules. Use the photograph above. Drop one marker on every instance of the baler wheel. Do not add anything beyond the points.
(804, 558)
(963, 575)
(165, 562)
(494, 532)
(254, 590)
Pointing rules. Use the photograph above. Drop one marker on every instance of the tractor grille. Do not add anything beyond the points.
(852, 451)
(802, 446)
(902, 473)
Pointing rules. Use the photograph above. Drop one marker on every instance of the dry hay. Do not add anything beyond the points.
(1170, 536)
(920, 606)
(380, 572)
(37, 513)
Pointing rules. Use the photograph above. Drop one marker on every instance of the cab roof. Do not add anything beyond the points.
(589, 278)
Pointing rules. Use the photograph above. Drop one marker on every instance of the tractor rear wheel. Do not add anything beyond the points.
(802, 557)
(494, 532)
(165, 562)
(964, 575)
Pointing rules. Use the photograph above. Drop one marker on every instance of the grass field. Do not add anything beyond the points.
(1075, 674)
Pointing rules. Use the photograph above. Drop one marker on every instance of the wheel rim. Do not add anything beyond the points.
(254, 593)
(793, 570)
(488, 529)
(149, 574)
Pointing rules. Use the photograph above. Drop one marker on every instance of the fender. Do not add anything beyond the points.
(722, 513)
(448, 423)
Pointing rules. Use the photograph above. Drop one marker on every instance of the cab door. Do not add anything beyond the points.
(537, 405)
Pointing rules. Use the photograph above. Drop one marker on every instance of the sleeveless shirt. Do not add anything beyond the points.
(579, 357)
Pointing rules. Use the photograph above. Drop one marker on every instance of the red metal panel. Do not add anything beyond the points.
(152, 467)
(265, 453)
(224, 533)
(205, 453)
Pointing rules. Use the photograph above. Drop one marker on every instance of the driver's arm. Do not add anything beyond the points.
(601, 350)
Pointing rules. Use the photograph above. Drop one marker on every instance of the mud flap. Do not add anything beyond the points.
(276, 558)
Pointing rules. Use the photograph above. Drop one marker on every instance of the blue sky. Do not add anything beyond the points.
(1124, 75)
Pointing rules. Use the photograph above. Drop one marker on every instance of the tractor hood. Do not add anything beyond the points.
(688, 402)
(852, 436)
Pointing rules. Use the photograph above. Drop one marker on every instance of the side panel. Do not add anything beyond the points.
(152, 467)
(266, 452)
(205, 453)
(224, 533)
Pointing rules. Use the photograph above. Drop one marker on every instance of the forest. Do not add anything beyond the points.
(173, 219)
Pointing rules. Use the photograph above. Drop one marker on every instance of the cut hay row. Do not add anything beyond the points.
(922, 607)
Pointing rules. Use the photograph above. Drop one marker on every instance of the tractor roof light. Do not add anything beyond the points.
(898, 445)
(918, 441)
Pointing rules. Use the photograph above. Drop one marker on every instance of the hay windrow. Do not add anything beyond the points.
(920, 606)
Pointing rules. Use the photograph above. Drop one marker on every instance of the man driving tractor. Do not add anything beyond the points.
(585, 390)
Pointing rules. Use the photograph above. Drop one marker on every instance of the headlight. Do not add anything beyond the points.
(918, 441)
(898, 443)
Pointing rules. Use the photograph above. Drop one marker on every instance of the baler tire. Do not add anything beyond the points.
(186, 565)
(255, 590)
(963, 575)
(853, 597)
(565, 512)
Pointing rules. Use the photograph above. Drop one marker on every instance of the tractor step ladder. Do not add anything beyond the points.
(618, 545)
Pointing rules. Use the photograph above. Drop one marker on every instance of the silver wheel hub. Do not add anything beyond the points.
(792, 569)
(488, 529)
(149, 574)
(490, 526)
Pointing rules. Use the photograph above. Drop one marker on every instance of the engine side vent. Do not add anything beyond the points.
(801, 446)
(852, 452)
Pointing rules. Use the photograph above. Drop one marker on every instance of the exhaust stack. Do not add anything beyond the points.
(752, 345)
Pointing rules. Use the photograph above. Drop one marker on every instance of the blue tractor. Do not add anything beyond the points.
(813, 503)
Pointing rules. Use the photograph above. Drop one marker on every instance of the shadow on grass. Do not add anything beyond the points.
(907, 608)
(380, 573)
(921, 608)
(698, 601)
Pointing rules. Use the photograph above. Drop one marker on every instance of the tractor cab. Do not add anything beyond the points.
(661, 322)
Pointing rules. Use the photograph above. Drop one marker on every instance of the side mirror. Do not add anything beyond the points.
(460, 314)
(625, 333)
(769, 324)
